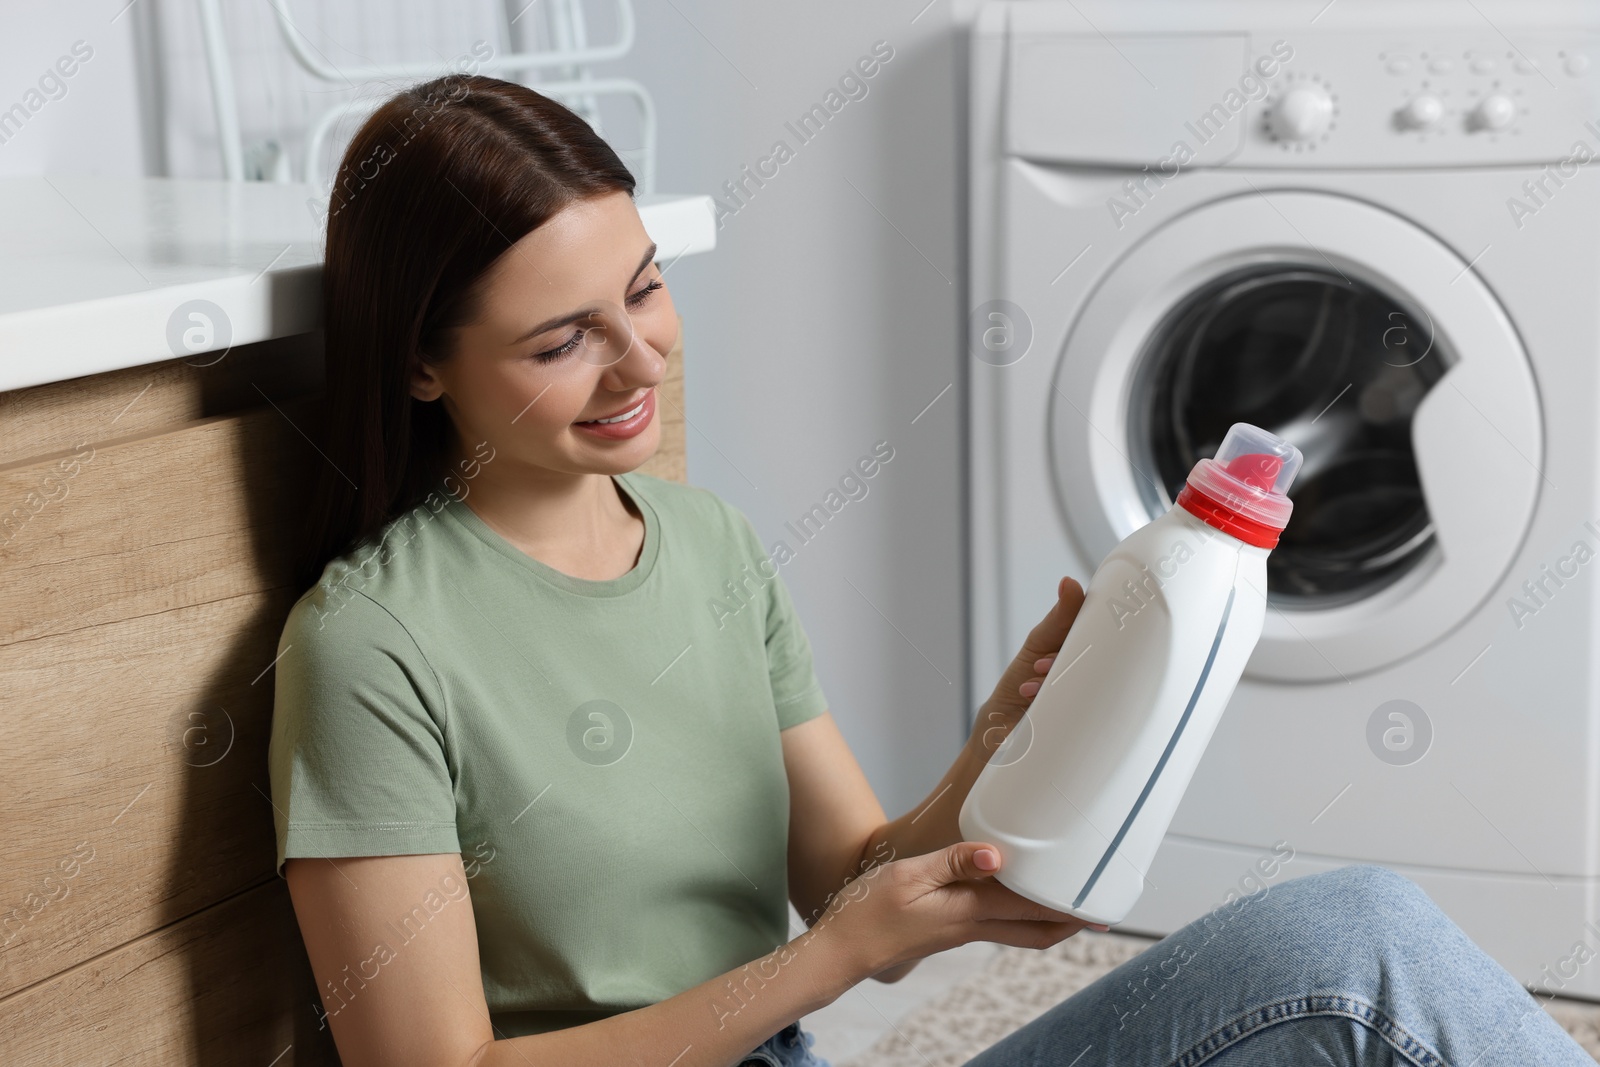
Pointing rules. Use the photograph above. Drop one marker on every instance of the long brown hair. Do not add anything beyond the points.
(435, 186)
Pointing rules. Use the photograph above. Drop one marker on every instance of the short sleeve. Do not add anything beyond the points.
(796, 693)
(357, 756)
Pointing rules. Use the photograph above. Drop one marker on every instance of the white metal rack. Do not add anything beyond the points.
(574, 83)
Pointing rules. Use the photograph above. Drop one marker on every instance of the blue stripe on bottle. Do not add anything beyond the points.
(1183, 720)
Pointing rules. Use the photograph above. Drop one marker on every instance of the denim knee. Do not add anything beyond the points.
(1369, 912)
(1337, 923)
(1369, 891)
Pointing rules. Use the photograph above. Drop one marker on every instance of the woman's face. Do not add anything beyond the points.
(574, 325)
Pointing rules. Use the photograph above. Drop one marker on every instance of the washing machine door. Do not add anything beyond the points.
(1367, 343)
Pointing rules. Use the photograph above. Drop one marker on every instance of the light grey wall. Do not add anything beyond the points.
(828, 319)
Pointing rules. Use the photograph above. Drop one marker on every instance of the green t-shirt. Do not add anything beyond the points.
(603, 754)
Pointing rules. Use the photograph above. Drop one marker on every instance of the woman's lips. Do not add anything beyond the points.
(641, 414)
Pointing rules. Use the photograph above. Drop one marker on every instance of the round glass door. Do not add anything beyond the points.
(1366, 342)
(1330, 362)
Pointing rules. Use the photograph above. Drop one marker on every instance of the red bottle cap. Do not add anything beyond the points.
(1243, 490)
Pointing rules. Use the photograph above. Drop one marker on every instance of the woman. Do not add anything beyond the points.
(540, 799)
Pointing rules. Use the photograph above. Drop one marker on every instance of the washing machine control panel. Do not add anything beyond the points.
(1441, 99)
(1166, 102)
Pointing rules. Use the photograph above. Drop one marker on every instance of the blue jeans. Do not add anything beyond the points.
(789, 1047)
(1355, 967)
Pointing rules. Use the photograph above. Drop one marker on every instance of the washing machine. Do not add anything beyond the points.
(1373, 229)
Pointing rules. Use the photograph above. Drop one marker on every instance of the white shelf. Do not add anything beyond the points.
(92, 270)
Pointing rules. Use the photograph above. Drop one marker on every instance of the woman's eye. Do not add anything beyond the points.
(557, 353)
(644, 294)
(577, 338)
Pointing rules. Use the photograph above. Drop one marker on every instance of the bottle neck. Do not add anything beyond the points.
(1215, 513)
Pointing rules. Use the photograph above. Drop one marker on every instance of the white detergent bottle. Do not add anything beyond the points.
(1080, 793)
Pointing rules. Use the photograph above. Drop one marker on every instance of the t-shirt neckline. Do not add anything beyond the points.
(458, 510)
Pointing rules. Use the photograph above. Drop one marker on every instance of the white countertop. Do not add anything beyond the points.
(96, 272)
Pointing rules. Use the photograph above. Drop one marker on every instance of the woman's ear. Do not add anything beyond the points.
(425, 383)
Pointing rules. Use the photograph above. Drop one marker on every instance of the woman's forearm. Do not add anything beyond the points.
(714, 1024)
(934, 823)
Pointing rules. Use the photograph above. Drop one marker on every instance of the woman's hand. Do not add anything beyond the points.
(933, 827)
(910, 908)
(1020, 682)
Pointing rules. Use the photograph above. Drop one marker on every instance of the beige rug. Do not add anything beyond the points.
(1021, 984)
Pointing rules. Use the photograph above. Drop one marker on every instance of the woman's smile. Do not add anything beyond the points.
(629, 422)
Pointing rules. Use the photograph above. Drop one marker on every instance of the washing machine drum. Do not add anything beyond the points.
(1359, 337)
(1330, 362)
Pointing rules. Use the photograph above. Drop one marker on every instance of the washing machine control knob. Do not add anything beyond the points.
(1421, 112)
(1495, 112)
(1304, 114)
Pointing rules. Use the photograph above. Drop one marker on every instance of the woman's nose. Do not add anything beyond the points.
(642, 364)
(632, 361)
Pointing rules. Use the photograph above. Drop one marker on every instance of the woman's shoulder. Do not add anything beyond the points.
(356, 602)
(390, 566)
(336, 618)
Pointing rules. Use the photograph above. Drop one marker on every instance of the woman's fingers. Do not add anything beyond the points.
(992, 900)
(1030, 689)
(1043, 640)
(964, 863)
(1027, 933)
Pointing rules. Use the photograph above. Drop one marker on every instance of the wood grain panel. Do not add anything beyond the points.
(150, 524)
(229, 986)
(53, 418)
(135, 777)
